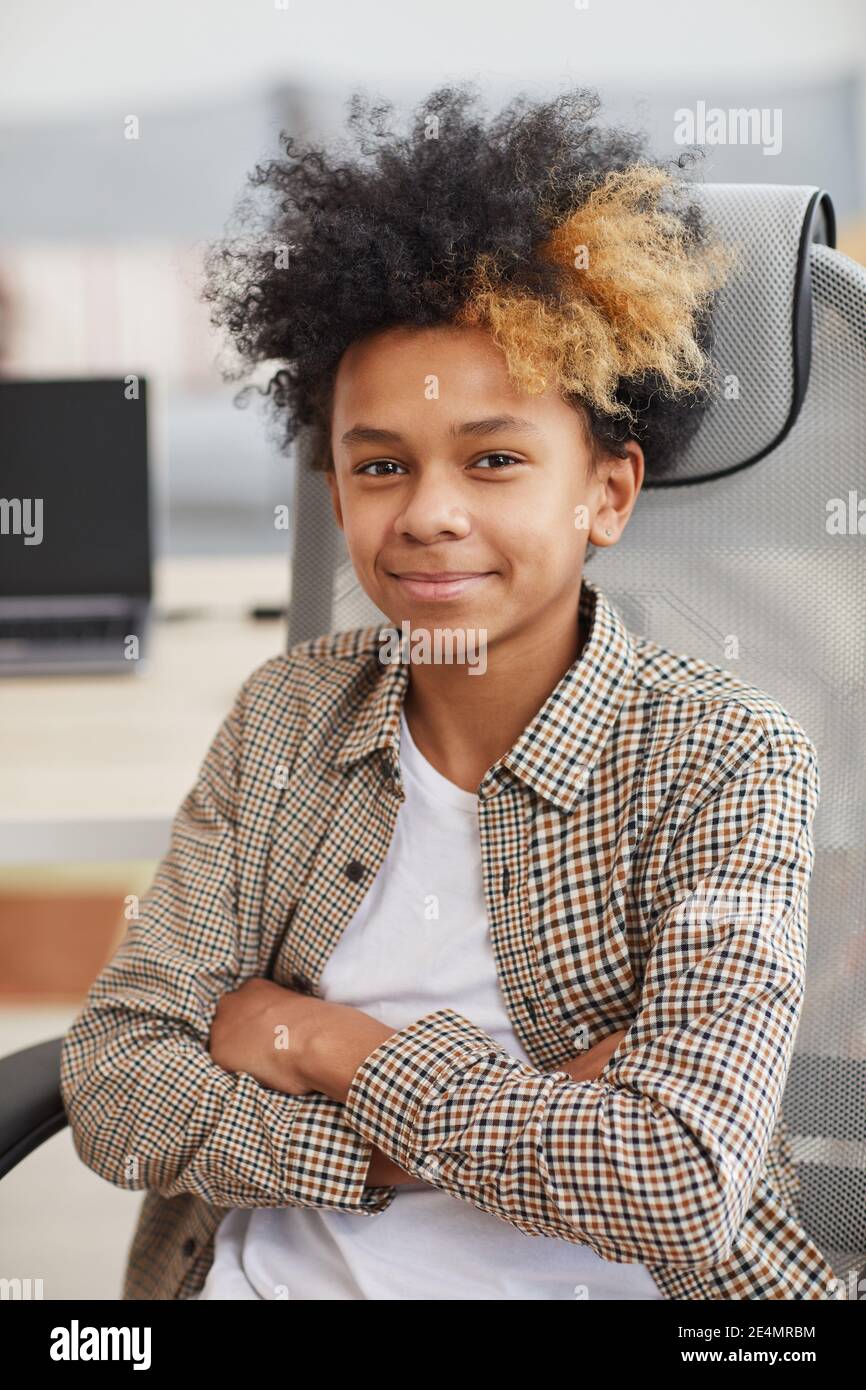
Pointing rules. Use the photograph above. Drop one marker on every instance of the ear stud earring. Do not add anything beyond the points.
(608, 532)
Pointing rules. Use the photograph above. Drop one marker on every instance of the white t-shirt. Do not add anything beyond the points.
(419, 941)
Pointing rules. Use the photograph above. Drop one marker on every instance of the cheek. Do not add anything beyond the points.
(563, 521)
(545, 552)
(536, 531)
(366, 533)
(359, 523)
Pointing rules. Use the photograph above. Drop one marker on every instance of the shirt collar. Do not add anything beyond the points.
(556, 752)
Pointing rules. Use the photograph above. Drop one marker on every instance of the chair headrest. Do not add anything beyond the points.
(762, 323)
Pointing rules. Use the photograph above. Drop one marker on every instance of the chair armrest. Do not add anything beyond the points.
(31, 1106)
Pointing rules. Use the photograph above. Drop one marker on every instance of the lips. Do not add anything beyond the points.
(439, 576)
(441, 585)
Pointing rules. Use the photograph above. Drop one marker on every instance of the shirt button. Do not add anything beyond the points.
(355, 870)
(188, 1248)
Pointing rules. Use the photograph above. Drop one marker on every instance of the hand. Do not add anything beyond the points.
(246, 1028)
(588, 1066)
(339, 1039)
(262, 1028)
(292, 1042)
(384, 1172)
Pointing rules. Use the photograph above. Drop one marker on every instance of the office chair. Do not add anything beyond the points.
(744, 534)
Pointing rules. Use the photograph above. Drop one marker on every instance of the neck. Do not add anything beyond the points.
(462, 723)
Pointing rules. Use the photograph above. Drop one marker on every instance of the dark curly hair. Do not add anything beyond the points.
(462, 221)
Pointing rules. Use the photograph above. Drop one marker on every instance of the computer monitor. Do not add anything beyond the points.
(75, 523)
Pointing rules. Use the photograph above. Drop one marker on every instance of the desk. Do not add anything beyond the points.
(94, 767)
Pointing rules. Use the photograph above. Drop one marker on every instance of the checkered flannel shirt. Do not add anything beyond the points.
(646, 850)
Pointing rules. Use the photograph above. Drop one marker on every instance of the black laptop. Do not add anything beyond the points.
(75, 526)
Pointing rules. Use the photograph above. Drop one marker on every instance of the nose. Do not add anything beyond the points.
(433, 508)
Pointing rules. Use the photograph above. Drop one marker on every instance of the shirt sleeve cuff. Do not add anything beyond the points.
(408, 1072)
(330, 1159)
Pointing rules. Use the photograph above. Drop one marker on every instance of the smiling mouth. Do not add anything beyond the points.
(449, 584)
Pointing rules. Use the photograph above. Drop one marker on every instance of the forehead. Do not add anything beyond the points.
(461, 366)
(441, 344)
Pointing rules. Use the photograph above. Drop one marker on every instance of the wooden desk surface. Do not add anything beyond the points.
(94, 767)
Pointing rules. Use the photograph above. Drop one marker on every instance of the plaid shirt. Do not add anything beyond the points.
(646, 850)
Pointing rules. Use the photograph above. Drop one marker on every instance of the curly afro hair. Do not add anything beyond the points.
(586, 261)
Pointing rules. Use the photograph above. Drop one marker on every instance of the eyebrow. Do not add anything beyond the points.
(372, 434)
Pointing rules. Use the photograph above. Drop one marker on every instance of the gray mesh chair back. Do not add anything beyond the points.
(752, 555)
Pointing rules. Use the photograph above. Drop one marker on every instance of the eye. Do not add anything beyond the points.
(507, 458)
(379, 463)
(505, 461)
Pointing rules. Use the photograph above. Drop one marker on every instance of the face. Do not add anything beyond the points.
(464, 501)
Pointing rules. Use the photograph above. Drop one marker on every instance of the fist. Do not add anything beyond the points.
(260, 1028)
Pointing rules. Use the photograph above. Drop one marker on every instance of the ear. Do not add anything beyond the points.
(335, 497)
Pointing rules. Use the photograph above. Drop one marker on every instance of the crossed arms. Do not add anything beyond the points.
(653, 1161)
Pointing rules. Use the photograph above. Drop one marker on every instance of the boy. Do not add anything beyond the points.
(477, 957)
